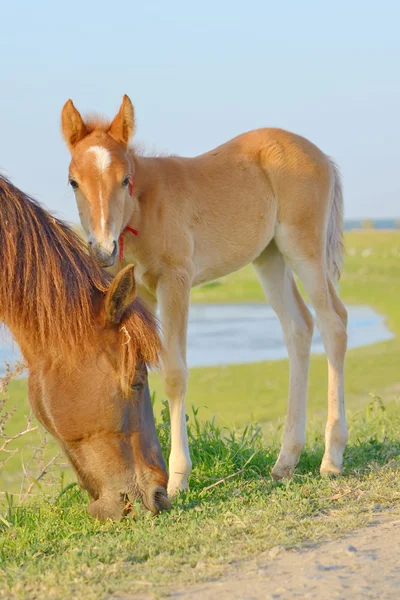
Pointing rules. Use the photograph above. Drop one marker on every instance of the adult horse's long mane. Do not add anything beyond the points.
(49, 283)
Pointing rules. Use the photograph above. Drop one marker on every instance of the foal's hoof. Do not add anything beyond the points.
(329, 468)
(280, 472)
(176, 487)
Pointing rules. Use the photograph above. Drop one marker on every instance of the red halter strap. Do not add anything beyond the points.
(121, 240)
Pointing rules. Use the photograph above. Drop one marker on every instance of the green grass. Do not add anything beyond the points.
(51, 548)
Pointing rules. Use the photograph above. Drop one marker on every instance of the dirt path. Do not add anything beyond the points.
(363, 564)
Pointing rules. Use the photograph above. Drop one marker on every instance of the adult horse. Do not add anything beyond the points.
(268, 197)
(86, 343)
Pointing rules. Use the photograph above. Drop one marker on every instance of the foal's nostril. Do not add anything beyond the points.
(114, 252)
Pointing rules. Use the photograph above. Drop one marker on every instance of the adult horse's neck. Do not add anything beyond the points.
(48, 281)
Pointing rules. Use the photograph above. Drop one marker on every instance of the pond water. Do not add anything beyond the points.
(224, 334)
(246, 333)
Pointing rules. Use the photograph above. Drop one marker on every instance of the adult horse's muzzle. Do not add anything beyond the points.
(112, 506)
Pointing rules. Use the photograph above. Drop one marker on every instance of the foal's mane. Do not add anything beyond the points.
(97, 123)
(50, 285)
(94, 122)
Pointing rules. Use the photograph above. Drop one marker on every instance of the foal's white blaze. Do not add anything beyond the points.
(102, 159)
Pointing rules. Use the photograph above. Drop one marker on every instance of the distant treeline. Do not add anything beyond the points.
(372, 224)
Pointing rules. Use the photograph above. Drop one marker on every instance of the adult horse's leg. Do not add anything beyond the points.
(332, 322)
(297, 325)
(173, 295)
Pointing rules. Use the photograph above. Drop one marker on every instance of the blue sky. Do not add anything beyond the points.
(201, 73)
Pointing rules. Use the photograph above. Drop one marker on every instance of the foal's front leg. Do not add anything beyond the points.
(173, 295)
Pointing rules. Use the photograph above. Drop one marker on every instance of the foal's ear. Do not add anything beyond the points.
(120, 295)
(123, 126)
(72, 125)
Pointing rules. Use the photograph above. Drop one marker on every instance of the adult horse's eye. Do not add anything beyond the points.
(73, 184)
(126, 181)
(138, 386)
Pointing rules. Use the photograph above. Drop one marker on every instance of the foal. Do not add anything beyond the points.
(268, 197)
(86, 342)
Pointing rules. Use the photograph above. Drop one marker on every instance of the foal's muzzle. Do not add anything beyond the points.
(105, 253)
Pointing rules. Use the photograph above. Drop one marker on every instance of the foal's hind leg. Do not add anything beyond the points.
(332, 322)
(297, 325)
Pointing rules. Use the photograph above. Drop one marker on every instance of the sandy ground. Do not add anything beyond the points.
(363, 564)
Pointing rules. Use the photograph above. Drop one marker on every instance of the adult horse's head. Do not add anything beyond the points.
(87, 342)
(101, 175)
(100, 411)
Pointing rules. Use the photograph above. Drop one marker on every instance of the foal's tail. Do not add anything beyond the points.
(334, 243)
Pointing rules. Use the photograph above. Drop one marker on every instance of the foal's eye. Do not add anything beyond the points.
(125, 182)
(73, 184)
(137, 386)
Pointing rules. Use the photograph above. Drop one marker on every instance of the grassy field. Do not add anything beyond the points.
(50, 548)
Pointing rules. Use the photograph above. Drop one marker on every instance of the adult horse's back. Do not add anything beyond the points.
(268, 197)
(86, 342)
